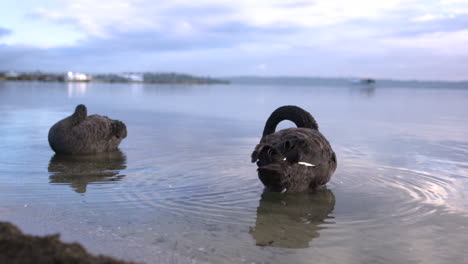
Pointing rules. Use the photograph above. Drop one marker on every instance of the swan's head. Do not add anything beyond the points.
(281, 171)
(80, 111)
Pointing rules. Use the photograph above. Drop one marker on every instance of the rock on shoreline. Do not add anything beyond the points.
(18, 248)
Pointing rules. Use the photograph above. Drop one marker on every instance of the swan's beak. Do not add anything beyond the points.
(306, 164)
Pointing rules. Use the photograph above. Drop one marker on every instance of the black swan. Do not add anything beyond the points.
(82, 134)
(293, 159)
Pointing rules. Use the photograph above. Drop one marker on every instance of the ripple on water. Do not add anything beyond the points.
(200, 189)
(226, 189)
(373, 193)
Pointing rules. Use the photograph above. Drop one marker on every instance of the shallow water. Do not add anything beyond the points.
(182, 188)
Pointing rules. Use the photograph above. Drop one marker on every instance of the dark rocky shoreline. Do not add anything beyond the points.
(19, 248)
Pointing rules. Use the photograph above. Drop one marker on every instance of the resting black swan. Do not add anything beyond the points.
(293, 159)
(83, 134)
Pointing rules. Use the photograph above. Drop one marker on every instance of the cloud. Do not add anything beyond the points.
(12, 57)
(439, 43)
(431, 17)
(427, 24)
(209, 18)
(224, 36)
(329, 38)
(4, 32)
(95, 17)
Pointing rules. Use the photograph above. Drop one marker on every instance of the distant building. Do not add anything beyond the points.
(11, 75)
(77, 77)
(132, 77)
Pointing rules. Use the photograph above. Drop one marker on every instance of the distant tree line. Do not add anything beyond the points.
(147, 77)
(163, 78)
(35, 76)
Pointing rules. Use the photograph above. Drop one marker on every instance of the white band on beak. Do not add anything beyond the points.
(306, 164)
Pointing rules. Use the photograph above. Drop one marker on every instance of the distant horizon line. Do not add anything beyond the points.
(246, 76)
(343, 78)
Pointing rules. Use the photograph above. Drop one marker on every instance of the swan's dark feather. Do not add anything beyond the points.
(294, 159)
(78, 134)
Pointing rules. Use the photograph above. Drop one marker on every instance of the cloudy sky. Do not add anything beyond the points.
(399, 39)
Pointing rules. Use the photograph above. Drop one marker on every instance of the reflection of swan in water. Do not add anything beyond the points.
(291, 220)
(80, 170)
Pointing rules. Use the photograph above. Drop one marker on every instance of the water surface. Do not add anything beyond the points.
(182, 188)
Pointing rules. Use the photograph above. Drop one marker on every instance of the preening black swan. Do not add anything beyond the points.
(293, 159)
(83, 134)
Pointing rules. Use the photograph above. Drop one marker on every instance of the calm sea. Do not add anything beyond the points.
(182, 188)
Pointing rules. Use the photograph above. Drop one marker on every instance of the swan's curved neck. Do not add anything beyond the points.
(299, 116)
